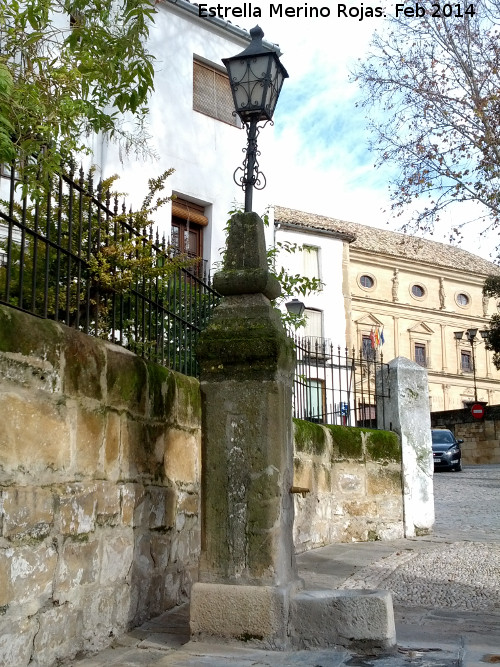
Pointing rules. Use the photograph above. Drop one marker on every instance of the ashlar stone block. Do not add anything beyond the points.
(163, 507)
(188, 403)
(126, 381)
(357, 619)
(77, 509)
(97, 617)
(28, 512)
(383, 481)
(59, 635)
(117, 555)
(89, 439)
(108, 503)
(33, 430)
(141, 453)
(135, 505)
(6, 594)
(84, 365)
(257, 613)
(16, 640)
(182, 456)
(32, 572)
(79, 565)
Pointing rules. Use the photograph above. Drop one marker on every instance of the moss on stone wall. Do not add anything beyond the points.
(348, 443)
(309, 437)
(161, 384)
(383, 445)
(17, 334)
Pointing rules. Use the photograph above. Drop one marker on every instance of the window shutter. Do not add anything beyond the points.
(212, 93)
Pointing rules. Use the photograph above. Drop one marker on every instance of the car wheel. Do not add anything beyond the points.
(458, 467)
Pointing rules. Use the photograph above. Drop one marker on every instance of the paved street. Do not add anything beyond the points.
(446, 593)
(471, 496)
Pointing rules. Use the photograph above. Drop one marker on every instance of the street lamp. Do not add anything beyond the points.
(256, 76)
(471, 337)
(295, 307)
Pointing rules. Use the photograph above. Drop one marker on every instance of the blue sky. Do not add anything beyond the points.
(322, 163)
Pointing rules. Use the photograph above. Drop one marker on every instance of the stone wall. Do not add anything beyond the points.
(481, 436)
(99, 490)
(354, 481)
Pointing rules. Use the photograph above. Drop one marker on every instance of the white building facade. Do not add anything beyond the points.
(394, 295)
(193, 130)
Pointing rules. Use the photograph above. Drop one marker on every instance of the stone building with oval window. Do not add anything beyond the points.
(415, 292)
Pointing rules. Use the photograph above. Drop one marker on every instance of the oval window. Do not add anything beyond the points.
(462, 299)
(366, 281)
(418, 291)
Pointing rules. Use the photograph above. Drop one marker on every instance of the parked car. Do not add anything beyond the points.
(446, 450)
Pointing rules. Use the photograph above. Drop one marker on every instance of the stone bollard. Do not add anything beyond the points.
(407, 411)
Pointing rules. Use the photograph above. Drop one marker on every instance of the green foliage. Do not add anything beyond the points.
(69, 68)
(431, 88)
(81, 265)
(292, 285)
(492, 288)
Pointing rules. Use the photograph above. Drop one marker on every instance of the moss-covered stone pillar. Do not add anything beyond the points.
(246, 359)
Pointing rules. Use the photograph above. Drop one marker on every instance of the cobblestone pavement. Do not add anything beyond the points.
(468, 504)
(446, 593)
(461, 574)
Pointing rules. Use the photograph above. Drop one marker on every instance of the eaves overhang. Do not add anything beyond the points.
(316, 231)
(421, 266)
(192, 8)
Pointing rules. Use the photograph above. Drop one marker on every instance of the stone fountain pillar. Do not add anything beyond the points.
(247, 569)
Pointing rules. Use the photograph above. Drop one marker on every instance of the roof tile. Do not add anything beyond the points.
(391, 243)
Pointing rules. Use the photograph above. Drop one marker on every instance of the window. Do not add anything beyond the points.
(418, 291)
(367, 414)
(466, 361)
(310, 256)
(188, 220)
(187, 238)
(314, 323)
(420, 354)
(366, 281)
(6, 171)
(315, 400)
(212, 94)
(367, 349)
(462, 299)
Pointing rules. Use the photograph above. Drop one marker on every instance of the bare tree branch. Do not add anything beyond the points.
(431, 86)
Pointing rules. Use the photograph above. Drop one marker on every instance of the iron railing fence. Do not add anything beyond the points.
(75, 259)
(338, 386)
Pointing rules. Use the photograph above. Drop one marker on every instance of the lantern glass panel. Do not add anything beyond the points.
(248, 78)
(276, 79)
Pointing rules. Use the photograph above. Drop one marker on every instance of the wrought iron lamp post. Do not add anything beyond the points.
(471, 337)
(256, 76)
